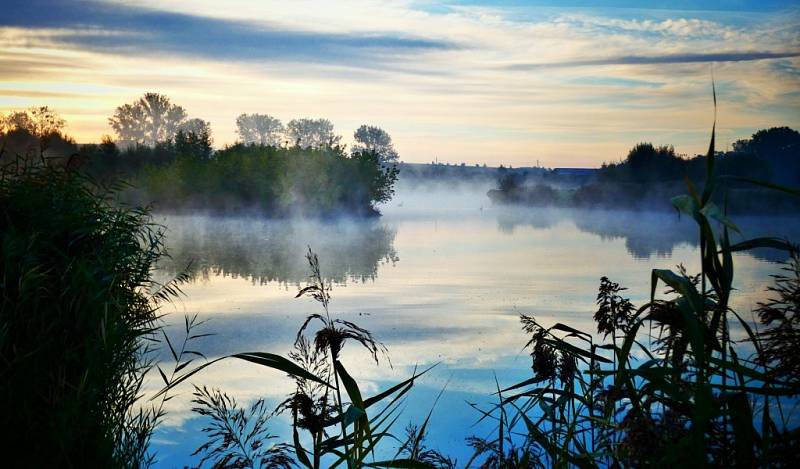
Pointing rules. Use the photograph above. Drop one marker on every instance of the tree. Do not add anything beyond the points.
(149, 120)
(37, 123)
(260, 129)
(779, 146)
(312, 133)
(194, 138)
(776, 140)
(369, 138)
(45, 122)
(19, 120)
(196, 126)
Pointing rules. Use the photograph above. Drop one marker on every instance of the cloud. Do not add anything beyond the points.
(128, 29)
(438, 76)
(659, 59)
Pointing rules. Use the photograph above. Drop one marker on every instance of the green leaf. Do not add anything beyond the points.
(680, 284)
(684, 204)
(352, 414)
(350, 384)
(711, 210)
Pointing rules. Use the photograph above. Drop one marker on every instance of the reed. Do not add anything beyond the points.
(662, 384)
(78, 318)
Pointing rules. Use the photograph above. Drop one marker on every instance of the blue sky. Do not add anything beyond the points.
(570, 83)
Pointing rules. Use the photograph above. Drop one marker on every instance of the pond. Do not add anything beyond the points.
(441, 277)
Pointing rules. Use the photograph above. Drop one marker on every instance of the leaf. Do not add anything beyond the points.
(352, 414)
(171, 348)
(379, 397)
(299, 451)
(279, 363)
(563, 327)
(163, 376)
(306, 290)
(680, 284)
(684, 204)
(402, 463)
(563, 345)
(183, 365)
(762, 183)
(711, 210)
(350, 384)
(766, 242)
(265, 359)
(742, 422)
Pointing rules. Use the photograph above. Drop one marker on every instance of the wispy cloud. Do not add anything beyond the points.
(136, 30)
(453, 80)
(660, 59)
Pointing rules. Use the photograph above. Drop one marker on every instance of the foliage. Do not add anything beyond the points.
(674, 390)
(151, 119)
(237, 439)
(314, 134)
(650, 174)
(194, 144)
(78, 311)
(780, 339)
(414, 449)
(277, 181)
(374, 139)
(344, 428)
(779, 147)
(259, 129)
(35, 133)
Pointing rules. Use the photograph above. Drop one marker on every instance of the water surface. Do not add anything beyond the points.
(442, 278)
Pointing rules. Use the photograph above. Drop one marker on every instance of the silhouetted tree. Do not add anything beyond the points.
(194, 139)
(197, 127)
(149, 120)
(193, 144)
(261, 129)
(312, 133)
(780, 147)
(38, 126)
(369, 138)
(19, 120)
(38, 121)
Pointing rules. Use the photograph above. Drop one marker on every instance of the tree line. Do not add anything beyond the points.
(169, 158)
(153, 119)
(649, 173)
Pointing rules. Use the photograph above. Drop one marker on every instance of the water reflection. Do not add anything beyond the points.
(649, 233)
(272, 250)
(465, 276)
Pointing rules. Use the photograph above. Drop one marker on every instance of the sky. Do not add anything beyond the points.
(556, 83)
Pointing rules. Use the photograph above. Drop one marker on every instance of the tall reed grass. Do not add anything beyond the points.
(78, 313)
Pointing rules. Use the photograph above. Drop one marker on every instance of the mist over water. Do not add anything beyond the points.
(442, 277)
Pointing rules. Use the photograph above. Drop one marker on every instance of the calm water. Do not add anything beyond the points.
(441, 277)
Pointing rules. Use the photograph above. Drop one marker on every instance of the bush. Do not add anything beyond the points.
(75, 314)
(275, 181)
